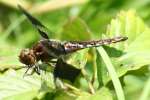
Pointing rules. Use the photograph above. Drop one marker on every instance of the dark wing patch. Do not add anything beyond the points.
(38, 25)
(66, 71)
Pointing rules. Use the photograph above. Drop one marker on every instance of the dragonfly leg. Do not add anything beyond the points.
(37, 69)
(51, 64)
(26, 72)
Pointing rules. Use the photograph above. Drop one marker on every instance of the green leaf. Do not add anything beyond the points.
(76, 29)
(146, 90)
(133, 53)
(9, 56)
(126, 23)
(78, 59)
(14, 87)
(138, 52)
(64, 95)
(102, 94)
(138, 49)
(133, 86)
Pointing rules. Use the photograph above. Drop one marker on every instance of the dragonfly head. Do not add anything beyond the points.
(27, 57)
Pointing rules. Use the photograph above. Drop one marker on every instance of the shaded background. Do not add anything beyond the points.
(55, 13)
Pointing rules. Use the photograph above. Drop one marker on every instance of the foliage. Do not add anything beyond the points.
(118, 71)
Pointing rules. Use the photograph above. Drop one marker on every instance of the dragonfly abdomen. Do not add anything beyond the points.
(77, 45)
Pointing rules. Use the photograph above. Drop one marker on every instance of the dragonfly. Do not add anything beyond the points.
(46, 49)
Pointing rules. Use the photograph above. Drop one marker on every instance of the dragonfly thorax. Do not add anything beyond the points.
(45, 50)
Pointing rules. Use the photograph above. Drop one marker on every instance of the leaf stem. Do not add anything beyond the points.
(71, 87)
(91, 88)
(112, 73)
(94, 67)
(57, 4)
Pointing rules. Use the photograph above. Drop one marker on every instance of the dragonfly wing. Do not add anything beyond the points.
(38, 25)
(66, 71)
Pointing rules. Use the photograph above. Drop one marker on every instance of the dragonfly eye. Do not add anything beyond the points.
(27, 57)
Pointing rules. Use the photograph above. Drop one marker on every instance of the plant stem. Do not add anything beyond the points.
(112, 73)
(91, 88)
(57, 4)
(94, 67)
(71, 87)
